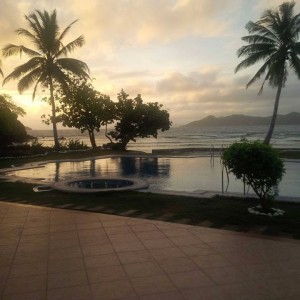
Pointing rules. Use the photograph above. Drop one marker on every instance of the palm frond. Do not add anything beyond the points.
(11, 49)
(255, 49)
(41, 79)
(1, 72)
(27, 80)
(19, 71)
(66, 30)
(295, 63)
(257, 28)
(259, 73)
(259, 39)
(74, 66)
(79, 42)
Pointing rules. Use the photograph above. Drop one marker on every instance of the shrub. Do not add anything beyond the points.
(258, 165)
(73, 144)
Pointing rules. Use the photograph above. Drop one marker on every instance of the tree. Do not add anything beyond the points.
(258, 165)
(274, 40)
(11, 130)
(48, 63)
(138, 119)
(86, 109)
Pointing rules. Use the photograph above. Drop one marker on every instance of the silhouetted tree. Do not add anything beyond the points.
(274, 40)
(48, 63)
(86, 109)
(137, 119)
(11, 130)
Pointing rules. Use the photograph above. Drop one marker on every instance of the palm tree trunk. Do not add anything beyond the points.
(274, 116)
(55, 135)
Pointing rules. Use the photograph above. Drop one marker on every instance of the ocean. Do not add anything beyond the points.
(284, 136)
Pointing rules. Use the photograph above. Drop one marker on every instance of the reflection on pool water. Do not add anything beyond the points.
(169, 173)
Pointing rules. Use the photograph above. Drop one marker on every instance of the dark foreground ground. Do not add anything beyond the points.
(219, 212)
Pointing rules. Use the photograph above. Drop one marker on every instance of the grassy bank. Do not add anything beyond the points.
(226, 213)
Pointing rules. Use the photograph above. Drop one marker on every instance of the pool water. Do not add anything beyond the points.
(168, 173)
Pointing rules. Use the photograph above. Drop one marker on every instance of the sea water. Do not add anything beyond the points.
(284, 136)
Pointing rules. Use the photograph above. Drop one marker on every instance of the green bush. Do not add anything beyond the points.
(73, 144)
(258, 165)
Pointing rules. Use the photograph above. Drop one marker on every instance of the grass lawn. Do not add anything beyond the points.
(220, 212)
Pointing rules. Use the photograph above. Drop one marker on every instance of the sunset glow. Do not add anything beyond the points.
(181, 53)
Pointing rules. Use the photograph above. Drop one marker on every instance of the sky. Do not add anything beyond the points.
(180, 53)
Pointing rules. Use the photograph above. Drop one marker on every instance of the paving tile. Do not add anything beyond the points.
(63, 227)
(176, 265)
(128, 246)
(176, 232)
(113, 223)
(151, 234)
(101, 261)
(35, 230)
(31, 257)
(192, 279)
(66, 243)
(143, 227)
(91, 233)
(67, 279)
(211, 261)
(63, 235)
(89, 225)
(92, 250)
(205, 293)
(121, 289)
(65, 265)
(117, 230)
(165, 253)
(185, 240)
(246, 291)
(141, 269)
(228, 274)
(158, 243)
(196, 250)
(135, 256)
(70, 293)
(26, 284)
(30, 269)
(70, 252)
(39, 295)
(152, 285)
(123, 237)
(163, 296)
(105, 274)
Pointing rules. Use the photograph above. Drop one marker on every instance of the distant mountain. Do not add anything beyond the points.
(27, 128)
(292, 118)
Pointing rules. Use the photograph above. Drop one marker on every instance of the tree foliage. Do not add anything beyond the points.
(137, 119)
(48, 62)
(258, 165)
(273, 40)
(11, 129)
(86, 109)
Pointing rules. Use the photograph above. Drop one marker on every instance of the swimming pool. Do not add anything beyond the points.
(163, 173)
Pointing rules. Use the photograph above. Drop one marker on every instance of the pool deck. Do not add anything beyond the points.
(50, 253)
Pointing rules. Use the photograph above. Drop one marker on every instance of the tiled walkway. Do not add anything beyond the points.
(48, 253)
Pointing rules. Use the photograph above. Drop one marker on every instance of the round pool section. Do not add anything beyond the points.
(99, 184)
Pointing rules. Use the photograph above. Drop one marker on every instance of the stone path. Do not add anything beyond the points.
(49, 253)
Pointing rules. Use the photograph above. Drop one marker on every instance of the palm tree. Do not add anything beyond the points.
(0, 68)
(48, 64)
(274, 40)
